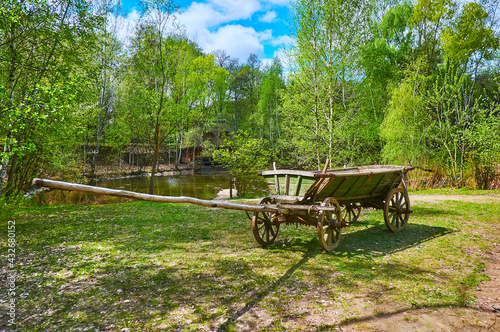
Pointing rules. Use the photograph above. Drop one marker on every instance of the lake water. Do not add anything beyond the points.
(203, 185)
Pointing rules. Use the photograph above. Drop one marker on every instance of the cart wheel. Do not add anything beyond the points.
(350, 212)
(265, 225)
(329, 225)
(397, 210)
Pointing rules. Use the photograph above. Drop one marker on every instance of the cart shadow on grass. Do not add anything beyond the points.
(374, 240)
(371, 241)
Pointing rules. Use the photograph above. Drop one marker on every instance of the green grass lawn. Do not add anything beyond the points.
(151, 266)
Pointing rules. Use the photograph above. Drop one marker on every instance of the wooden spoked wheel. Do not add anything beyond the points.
(350, 212)
(265, 225)
(397, 210)
(329, 224)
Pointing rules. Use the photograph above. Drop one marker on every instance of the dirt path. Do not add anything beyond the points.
(463, 198)
(483, 316)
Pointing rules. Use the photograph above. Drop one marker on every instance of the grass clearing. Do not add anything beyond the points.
(150, 266)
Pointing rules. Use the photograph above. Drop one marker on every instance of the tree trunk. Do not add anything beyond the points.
(99, 130)
(3, 166)
(10, 175)
(180, 148)
(155, 158)
(194, 156)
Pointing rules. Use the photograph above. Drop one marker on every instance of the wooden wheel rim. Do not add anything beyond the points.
(351, 212)
(396, 210)
(265, 226)
(329, 225)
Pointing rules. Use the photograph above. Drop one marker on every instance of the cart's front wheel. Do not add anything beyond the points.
(351, 212)
(265, 225)
(397, 210)
(329, 224)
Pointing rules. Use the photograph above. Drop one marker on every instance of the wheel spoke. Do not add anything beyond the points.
(351, 215)
(271, 229)
(392, 214)
(401, 198)
(394, 219)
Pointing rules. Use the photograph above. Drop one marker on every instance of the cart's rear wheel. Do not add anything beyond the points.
(350, 212)
(329, 224)
(397, 210)
(265, 225)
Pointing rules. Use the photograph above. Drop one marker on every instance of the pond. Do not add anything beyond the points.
(203, 185)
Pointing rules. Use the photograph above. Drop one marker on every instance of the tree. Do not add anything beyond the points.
(150, 59)
(245, 157)
(104, 71)
(322, 100)
(40, 45)
(469, 42)
(269, 120)
(428, 19)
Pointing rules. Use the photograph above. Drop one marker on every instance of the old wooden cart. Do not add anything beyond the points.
(345, 190)
(329, 200)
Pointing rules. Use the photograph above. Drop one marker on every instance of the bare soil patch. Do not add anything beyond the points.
(482, 316)
(462, 198)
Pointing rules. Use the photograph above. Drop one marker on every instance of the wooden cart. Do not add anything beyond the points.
(346, 190)
(329, 200)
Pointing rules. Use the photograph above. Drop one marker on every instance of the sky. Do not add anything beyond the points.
(239, 27)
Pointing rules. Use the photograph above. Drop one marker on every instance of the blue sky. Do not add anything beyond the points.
(239, 27)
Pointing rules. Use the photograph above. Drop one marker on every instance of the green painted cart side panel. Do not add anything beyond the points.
(337, 187)
(377, 185)
(298, 185)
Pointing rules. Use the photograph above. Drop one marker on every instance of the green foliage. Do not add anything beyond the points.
(41, 46)
(269, 105)
(469, 35)
(485, 147)
(404, 128)
(322, 102)
(245, 157)
(439, 113)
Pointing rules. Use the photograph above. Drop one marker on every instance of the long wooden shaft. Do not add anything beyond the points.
(271, 208)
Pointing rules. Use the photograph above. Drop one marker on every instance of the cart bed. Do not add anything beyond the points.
(368, 185)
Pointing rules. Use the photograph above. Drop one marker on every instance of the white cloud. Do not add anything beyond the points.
(201, 16)
(282, 41)
(237, 9)
(220, 24)
(210, 25)
(216, 12)
(238, 41)
(268, 17)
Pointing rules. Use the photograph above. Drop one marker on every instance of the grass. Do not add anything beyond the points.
(148, 266)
